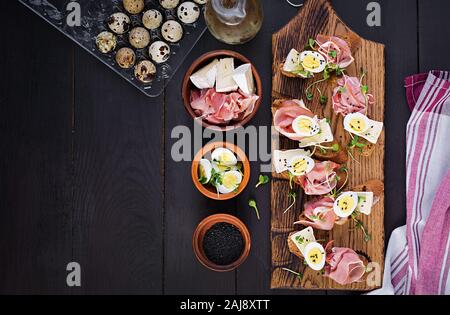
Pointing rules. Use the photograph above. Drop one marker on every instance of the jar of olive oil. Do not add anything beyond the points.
(234, 21)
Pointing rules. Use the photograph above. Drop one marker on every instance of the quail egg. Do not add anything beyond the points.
(152, 19)
(312, 61)
(134, 6)
(188, 12)
(345, 204)
(305, 126)
(169, 4)
(224, 156)
(204, 171)
(106, 42)
(119, 23)
(230, 182)
(172, 31)
(145, 71)
(200, 1)
(159, 51)
(300, 165)
(125, 57)
(139, 37)
(315, 256)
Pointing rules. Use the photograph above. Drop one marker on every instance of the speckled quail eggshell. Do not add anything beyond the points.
(172, 31)
(188, 12)
(169, 4)
(145, 71)
(125, 57)
(106, 42)
(119, 23)
(139, 37)
(152, 19)
(134, 6)
(200, 1)
(159, 51)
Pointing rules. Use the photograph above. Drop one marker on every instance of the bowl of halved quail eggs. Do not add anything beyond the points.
(142, 36)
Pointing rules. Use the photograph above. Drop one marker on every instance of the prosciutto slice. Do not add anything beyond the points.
(343, 265)
(348, 97)
(319, 214)
(321, 180)
(220, 108)
(329, 44)
(286, 114)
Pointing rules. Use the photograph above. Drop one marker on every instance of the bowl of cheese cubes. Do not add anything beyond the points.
(222, 90)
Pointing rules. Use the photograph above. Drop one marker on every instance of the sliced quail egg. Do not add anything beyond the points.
(345, 204)
(125, 57)
(230, 182)
(106, 42)
(172, 31)
(134, 6)
(169, 4)
(145, 71)
(188, 12)
(119, 23)
(315, 256)
(305, 126)
(312, 61)
(204, 171)
(224, 157)
(139, 37)
(152, 19)
(362, 126)
(300, 165)
(159, 51)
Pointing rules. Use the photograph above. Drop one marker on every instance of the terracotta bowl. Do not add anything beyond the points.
(210, 191)
(187, 87)
(204, 226)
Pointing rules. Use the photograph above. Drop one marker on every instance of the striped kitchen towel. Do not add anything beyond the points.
(418, 254)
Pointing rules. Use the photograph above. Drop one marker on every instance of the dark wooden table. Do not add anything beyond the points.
(86, 173)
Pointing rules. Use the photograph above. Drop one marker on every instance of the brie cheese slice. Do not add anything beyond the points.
(303, 238)
(325, 135)
(243, 76)
(205, 78)
(292, 62)
(224, 79)
(281, 159)
(365, 202)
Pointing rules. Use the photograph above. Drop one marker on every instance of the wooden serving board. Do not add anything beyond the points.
(318, 17)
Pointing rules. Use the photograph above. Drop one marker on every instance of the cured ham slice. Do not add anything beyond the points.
(343, 265)
(319, 214)
(221, 108)
(335, 50)
(348, 97)
(321, 180)
(287, 112)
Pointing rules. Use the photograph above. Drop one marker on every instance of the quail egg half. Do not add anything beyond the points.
(345, 204)
(152, 19)
(224, 156)
(315, 256)
(172, 31)
(312, 61)
(300, 165)
(169, 4)
(230, 182)
(139, 37)
(159, 51)
(134, 6)
(125, 57)
(145, 71)
(119, 23)
(188, 12)
(305, 126)
(106, 42)
(204, 171)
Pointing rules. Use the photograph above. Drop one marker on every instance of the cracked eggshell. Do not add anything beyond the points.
(134, 6)
(139, 37)
(145, 71)
(119, 23)
(172, 31)
(106, 42)
(152, 19)
(188, 12)
(169, 4)
(159, 51)
(125, 57)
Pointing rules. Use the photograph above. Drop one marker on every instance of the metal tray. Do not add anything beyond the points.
(93, 16)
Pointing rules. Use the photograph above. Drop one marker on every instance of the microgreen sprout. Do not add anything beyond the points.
(298, 274)
(292, 195)
(263, 179)
(252, 204)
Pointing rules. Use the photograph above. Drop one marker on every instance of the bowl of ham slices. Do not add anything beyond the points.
(222, 90)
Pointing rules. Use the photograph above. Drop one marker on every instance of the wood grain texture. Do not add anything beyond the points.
(318, 17)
